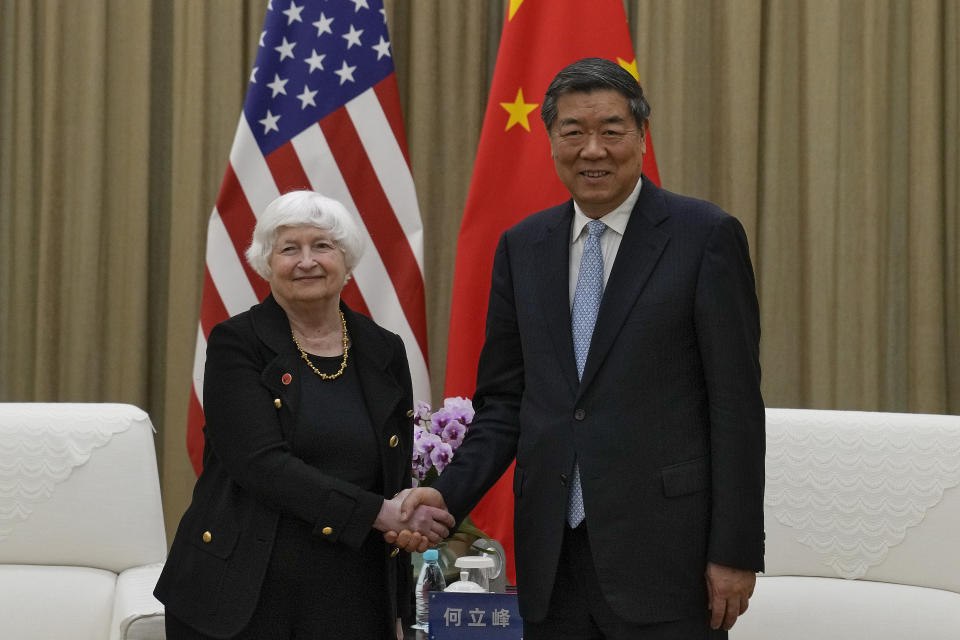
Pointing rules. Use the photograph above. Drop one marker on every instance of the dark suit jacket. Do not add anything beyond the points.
(667, 421)
(249, 474)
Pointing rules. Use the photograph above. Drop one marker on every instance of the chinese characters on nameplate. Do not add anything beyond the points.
(472, 616)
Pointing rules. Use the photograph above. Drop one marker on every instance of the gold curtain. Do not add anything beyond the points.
(830, 128)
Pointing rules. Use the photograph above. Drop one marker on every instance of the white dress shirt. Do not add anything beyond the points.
(616, 222)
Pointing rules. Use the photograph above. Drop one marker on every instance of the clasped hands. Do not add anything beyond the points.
(415, 519)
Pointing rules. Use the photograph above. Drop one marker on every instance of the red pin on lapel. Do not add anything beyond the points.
(286, 378)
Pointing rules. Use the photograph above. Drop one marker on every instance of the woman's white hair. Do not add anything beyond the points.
(304, 209)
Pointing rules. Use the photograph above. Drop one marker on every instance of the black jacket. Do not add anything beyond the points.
(213, 575)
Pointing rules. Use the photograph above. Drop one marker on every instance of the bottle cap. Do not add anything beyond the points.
(430, 555)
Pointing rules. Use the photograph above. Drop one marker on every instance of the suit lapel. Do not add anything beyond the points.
(639, 251)
(371, 354)
(553, 260)
(271, 326)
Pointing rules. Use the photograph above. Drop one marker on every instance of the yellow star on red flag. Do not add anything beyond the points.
(518, 110)
(630, 66)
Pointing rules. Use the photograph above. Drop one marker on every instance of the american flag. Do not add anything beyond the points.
(322, 112)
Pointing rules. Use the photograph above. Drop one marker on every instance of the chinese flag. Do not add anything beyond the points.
(514, 176)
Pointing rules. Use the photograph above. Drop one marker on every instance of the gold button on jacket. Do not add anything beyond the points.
(277, 403)
(326, 531)
(393, 554)
(394, 440)
(207, 536)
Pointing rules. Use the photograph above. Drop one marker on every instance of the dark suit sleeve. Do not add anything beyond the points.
(728, 332)
(491, 442)
(244, 429)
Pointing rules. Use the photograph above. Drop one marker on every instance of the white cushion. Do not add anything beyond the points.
(860, 494)
(861, 511)
(802, 608)
(53, 603)
(105, 512)
(82, 537)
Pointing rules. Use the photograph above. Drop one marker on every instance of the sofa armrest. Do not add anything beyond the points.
(137, 615)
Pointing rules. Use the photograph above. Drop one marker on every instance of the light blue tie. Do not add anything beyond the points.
(586, 304)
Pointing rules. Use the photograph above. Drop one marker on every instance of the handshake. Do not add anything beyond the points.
(414, 519)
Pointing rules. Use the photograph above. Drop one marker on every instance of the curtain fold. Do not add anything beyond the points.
(831, 129)
(75, 201)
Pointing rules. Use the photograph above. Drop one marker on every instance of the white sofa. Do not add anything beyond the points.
(82, 538)
(862, 516)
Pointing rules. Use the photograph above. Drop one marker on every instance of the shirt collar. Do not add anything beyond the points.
(616, 219)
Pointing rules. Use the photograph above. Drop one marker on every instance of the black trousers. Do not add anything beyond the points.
(578, 610)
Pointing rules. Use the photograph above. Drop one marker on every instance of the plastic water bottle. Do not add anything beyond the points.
(431, 579)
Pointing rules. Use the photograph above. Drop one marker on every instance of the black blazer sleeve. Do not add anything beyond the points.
(491, 443)
(726, 318)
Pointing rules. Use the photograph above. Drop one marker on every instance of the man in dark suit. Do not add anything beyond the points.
(621, 370)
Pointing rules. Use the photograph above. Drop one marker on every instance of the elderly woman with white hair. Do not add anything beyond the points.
(307, 430)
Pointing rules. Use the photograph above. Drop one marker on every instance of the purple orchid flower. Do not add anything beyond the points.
(453, 433)
(459, 408)
(441, 455)
(426, 443)
(421, 413)
(438, 434)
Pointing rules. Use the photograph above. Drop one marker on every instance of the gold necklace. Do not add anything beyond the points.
(343, 363)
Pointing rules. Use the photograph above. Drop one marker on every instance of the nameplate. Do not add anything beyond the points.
(471, 616)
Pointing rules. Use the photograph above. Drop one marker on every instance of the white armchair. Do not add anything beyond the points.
(82, 538)
(862, 514)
